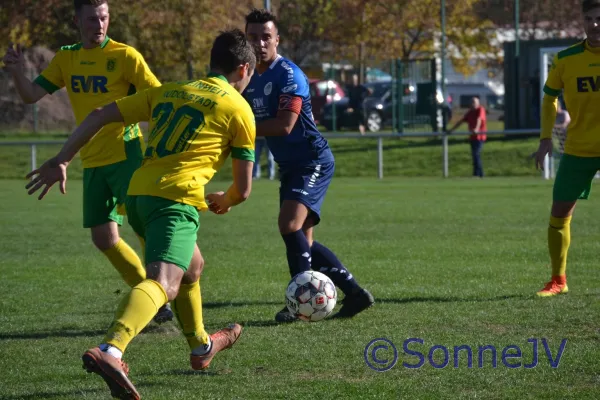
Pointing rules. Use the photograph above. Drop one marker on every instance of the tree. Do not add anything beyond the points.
(175, 36)
(29, 23)
(303, 26)
(408, 29)
(538, 18)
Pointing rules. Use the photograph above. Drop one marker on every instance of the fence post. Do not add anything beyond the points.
(445, 152)
(380, 157)
(546, 169)
(33, 156)
(35, 118)
(400, 103)
(394, 95)
(34, 107)
(333, 107)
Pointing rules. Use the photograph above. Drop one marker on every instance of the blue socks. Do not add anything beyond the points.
(300, 258)
(298, 252)
(325, 261)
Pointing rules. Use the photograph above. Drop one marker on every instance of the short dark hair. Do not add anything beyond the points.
(260, 16)
(80, 3)
(589, 5)
(230, 49)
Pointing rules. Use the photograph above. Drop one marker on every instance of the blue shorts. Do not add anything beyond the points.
(307, 185)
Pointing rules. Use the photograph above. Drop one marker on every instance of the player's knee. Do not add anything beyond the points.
(288, 223)
(200, 267)
(105, 237)
(171, 287)
(194, 271)
(292, 216)
(169, 276)
(562, 209)
(172, 291)
(289, 226)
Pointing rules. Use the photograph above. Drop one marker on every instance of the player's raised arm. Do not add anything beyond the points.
(95, 121)
(130, 109)
(30, 92)
(55, 169)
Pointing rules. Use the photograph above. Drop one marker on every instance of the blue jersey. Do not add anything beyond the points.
(275, 89)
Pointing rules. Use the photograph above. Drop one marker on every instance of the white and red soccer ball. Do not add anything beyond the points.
(311, 296)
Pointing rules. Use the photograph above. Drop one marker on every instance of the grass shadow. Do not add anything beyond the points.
(190, 372)
(60, 333)
(54, 394)
(439, 299)
(219, 304)
(260, 323)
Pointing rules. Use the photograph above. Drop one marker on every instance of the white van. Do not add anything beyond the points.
(462, 93)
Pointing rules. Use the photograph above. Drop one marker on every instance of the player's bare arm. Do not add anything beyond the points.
(55, 169)
(549, 110)
(544, 149)
(96, 120)
(238, 192)
(282, 124)
(29, 92)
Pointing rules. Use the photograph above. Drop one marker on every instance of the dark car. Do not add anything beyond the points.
(323, 92)
(418, 107)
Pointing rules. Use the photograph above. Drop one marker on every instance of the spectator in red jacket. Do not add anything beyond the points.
(476, 121)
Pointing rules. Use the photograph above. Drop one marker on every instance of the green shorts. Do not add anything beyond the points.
(574, 177)
(169, 228)
(105, 187)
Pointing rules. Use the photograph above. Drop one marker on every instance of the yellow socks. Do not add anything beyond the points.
(135, 312)
(188, 310)
(127, 262)
(559, 239)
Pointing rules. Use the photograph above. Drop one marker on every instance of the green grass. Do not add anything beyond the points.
(402, 157)
(451, 262)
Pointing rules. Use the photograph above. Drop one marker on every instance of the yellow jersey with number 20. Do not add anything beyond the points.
(194, 126)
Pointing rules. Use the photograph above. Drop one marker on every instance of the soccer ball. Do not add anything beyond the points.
(311, 296)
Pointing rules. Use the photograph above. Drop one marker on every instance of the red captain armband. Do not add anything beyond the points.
(290, 103)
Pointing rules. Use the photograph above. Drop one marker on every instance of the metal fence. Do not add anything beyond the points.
(404, 96)
(444, 168)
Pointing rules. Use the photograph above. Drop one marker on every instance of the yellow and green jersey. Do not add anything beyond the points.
(194, 126)
(94, 78)
(576, 70)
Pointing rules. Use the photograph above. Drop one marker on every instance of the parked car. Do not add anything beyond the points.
(323, 92)
(462, 93)
(418, 101)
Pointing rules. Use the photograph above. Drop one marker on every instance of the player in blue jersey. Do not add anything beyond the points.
(279, 96)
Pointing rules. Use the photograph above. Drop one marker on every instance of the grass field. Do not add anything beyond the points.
(453, 262)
